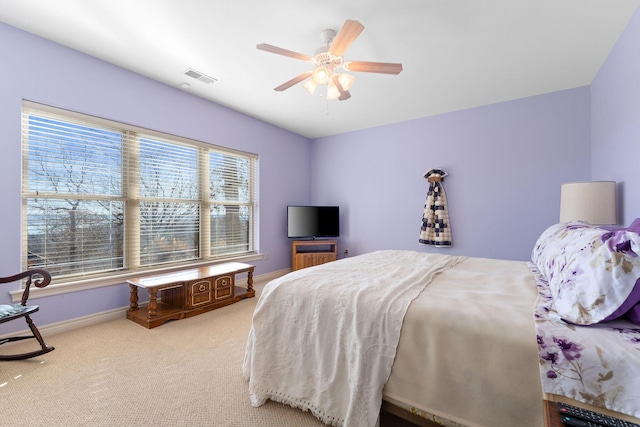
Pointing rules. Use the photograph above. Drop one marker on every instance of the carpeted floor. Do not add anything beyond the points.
(117, 373)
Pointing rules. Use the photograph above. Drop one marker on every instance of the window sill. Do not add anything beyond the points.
(114, 279)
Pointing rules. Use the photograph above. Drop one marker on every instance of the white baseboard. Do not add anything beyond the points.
(267, 277)
(68, 325)
(118, 313)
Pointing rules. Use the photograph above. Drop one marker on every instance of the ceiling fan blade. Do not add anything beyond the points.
(294, 81)
(373, 67)
(285, 52)
(344, 94)
(347, 35)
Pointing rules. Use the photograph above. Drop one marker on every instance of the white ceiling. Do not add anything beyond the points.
(456, 54)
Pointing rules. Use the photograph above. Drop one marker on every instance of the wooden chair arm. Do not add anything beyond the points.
(38, 277)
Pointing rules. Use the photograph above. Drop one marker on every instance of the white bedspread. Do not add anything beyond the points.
(468, 352)
(324, 338)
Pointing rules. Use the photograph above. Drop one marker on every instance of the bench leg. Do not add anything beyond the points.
(250, 280)
(133, 298)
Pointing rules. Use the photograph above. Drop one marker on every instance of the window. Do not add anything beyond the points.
(102, 197)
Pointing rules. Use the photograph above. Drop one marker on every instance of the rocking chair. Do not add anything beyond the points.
(12, 312)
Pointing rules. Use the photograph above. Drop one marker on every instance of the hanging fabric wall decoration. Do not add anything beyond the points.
(436, 229)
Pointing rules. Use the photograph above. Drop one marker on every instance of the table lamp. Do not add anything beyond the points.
(593, 202)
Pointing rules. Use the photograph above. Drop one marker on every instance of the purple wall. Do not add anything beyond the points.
(42, 71)
(505, 163)
(615, 121)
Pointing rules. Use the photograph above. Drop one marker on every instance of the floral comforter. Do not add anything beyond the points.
(597, 364)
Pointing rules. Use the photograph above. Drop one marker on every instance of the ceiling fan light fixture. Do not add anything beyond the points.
(332, 91)
(329, 59)
(321, 75)
(310, 85)
(346, 80)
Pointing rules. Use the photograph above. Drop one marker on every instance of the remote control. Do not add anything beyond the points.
(600, 420)
(577, 422)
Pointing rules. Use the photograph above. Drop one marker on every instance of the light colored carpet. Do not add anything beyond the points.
(117, 373)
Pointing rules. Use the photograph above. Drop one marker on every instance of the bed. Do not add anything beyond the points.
(451, 339)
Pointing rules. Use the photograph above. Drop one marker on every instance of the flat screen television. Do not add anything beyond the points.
(312, 222)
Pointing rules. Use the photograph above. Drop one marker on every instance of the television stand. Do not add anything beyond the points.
(307, 253)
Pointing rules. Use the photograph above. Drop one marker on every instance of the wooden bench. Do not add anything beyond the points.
(187, 293)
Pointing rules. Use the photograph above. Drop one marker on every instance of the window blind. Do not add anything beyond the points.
(101, 196)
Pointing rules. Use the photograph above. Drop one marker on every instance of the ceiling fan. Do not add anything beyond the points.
(328, 62)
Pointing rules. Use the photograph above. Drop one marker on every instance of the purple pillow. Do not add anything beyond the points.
(628, 306)
(631, 307)
(634, 314)
(635, 226)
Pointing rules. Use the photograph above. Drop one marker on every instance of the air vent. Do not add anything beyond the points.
(199, 76)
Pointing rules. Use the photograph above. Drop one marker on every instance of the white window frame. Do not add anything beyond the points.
(130, 198)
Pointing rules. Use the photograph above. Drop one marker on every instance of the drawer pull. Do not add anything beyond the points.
(203, 288)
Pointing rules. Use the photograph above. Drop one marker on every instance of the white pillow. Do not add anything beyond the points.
(591, 271)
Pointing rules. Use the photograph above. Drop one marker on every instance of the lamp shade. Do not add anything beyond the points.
(332, 90)
(346, 81)
(321, 75)
(593, 202)
(310, 85)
